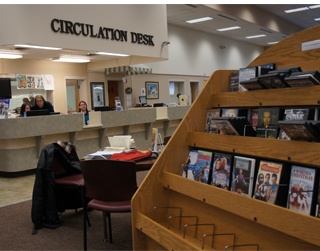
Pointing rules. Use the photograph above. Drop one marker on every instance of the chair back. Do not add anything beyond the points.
(109, 180)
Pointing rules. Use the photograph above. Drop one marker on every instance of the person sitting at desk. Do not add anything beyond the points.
(24, 108)
(41, 103)
(84, 109)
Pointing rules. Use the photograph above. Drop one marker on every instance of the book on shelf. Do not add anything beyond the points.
(189, 167)
(266, 68)
(317, 212)
(301, 130)
(272, 81)
(221, 170)
(198, 165)
(253, 117)
(239, 126)
(302, 195)
(246, 74)
(210, 114)
(252, 84)
(296, 114)
(243, 175)
(234, 81)
(267, 181)
(233, 112)
(268, 118)
(308, 78)
(299, 113)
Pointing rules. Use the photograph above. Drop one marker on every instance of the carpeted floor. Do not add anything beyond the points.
(16, 229)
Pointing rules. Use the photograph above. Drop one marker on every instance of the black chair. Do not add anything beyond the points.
(110, 184)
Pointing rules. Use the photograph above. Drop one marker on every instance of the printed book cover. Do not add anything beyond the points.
(234, 81)
(301, 189)
(268, 118)
(267, 181)
(221, 170)
(211, 114)
(198, 167)
(189, 167)
(224, 126)
(243, 175)
(253, 117)
(202, 167)
(229, 112)
(296, 114)
(317, 213)
(300, 130)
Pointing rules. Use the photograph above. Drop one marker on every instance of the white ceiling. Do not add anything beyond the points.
(179, 13)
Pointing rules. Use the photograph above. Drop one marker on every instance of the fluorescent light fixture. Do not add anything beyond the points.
(256, 36)
(317, 19)
(198, 20)
(37, 47)
(273, 42)
(71, 60)
(10, 56)
(296, 10)
(314, 6)
(112, 54)
(229, 28)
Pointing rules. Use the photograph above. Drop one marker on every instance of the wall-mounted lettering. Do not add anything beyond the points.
(89, 30)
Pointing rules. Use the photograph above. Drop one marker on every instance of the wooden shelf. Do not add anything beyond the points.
(282, 150)
(252, 221)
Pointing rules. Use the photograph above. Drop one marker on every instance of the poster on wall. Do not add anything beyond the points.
(4, 107)
(29, 81)
(152, 90)
(97, 94)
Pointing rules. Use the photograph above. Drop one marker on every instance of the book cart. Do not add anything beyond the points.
(170, 212)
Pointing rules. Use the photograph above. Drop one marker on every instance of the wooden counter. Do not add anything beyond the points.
(22, 139)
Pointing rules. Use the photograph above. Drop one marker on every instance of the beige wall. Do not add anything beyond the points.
(58, 70)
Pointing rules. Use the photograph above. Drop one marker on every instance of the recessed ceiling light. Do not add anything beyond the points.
(229, 28)
(296, 10)
(317, 19)
(37, 47)
(71, 60)
(273, 42)
(314, 6)
(198, 20)
(255, 36)
(112, 54)
(10, 56)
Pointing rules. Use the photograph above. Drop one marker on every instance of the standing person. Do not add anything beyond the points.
(84, 109)
(41, 103)
(32, 100)
(24, 108)
(25, 101)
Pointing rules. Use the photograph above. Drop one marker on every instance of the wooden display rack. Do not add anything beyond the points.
(251, 221)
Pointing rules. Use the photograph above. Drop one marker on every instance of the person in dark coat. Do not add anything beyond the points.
(41, 103)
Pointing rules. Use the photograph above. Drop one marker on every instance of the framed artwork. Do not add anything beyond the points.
(152, 90)
(97, 94)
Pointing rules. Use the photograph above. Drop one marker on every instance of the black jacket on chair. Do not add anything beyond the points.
(44, 211)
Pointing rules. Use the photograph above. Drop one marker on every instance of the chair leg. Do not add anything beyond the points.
(85, 218)
(107, 227)
(105, 231)
(110, 228)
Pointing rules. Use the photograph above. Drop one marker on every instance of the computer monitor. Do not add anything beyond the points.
(158, 104)
(102, 108)
(5, 88)
(143, 100)
(40, 112)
